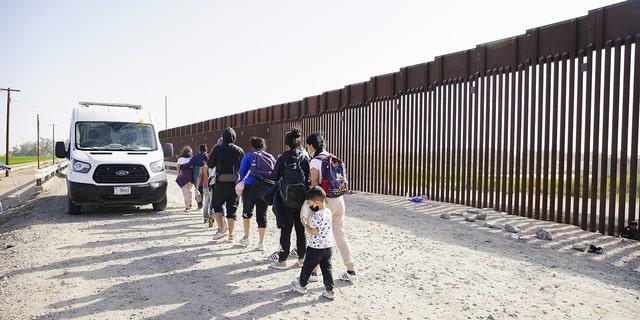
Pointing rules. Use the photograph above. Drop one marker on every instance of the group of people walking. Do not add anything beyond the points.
(268, 181)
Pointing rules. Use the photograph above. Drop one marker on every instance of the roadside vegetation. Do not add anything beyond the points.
(28, 152)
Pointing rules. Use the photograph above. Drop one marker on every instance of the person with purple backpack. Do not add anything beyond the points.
(256, 167)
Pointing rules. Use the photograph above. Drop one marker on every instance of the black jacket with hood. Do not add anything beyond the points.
(291, 156)
(226, 157)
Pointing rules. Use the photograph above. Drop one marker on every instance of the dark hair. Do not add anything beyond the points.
(187, 152)
(203, 148)
(293, 138)
(317, 141)
(316, 193)
(257, 143)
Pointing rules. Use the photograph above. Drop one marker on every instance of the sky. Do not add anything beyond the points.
(216, 58)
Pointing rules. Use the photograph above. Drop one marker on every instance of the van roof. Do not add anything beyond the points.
(108, 104)
(111, 113)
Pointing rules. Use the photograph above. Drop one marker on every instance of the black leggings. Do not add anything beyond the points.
(250, 199)
(291, 220)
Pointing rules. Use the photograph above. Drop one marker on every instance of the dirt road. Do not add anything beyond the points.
(131, 263)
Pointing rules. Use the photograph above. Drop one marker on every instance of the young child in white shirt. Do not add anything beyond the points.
(319, 245)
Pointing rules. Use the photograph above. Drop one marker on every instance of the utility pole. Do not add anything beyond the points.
(38, 125)
(165, 112)
(8, 90)
(53, 144)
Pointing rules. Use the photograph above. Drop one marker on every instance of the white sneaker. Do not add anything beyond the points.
(313, 277)
(244, 241)
(295, 285)
(329, 294)
(261, 246)
(348, 276)
(220, 234)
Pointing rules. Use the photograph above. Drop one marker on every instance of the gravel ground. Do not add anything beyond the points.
(133, 263)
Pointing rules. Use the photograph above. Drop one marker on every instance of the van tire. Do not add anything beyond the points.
(74, 208)
(161, 205)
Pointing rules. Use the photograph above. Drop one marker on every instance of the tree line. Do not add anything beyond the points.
(30, 148)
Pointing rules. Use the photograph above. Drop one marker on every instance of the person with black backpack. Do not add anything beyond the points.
(256, 168)
(225, 158)
(291, 172)
(329, 172)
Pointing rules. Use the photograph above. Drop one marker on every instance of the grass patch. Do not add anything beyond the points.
(13, 160)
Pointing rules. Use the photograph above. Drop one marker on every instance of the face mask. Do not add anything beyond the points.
(312, 154)
(314, 208)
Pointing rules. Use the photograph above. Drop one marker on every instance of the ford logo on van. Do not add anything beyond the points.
(122, 173)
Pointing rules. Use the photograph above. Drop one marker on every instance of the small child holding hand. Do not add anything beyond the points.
(320, 243)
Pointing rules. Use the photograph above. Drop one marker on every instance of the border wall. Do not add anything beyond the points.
(529, 125)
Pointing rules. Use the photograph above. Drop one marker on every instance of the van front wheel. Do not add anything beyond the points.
(161, 205)
(74, 208)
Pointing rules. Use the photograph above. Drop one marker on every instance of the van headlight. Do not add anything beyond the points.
(157, 166)
(79, 166)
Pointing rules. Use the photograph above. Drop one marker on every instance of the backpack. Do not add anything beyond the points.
(334, 178)
(292, 185)
(261, 165)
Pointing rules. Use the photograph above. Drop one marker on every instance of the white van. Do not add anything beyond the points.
(115, 157)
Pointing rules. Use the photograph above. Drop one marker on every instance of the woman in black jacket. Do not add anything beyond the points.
(289, 215)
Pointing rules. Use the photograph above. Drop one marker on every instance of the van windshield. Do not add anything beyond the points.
(114, 136)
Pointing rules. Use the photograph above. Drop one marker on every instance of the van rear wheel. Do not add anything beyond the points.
(74, 208)
(160, 205)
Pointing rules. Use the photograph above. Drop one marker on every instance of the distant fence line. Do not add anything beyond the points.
(529, 125)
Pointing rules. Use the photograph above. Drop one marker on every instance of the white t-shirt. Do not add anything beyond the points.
(322, 221)
(317, 164)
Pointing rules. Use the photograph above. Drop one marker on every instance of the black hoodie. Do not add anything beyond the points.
(226, 157)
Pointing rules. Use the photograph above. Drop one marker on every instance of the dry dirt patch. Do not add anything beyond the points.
(130, 263)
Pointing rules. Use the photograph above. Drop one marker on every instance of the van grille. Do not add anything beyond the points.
(120, 173)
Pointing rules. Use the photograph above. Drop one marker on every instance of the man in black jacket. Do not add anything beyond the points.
(226, 158)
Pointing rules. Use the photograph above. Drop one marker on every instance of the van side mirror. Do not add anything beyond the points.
(61, 150)
(168, 150)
